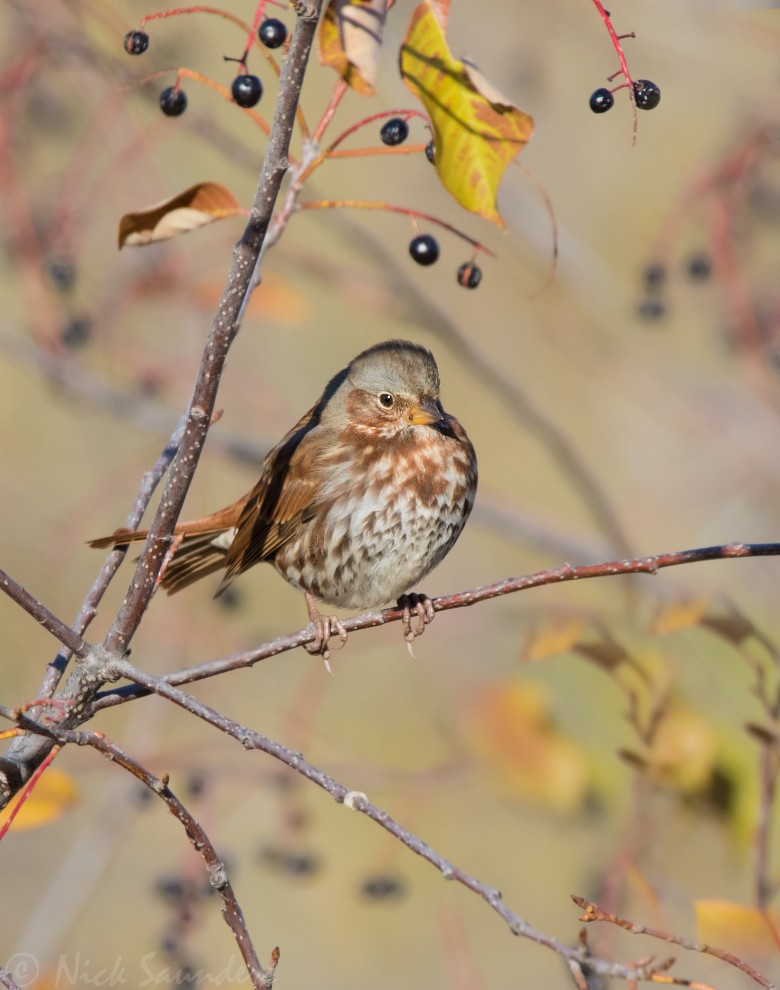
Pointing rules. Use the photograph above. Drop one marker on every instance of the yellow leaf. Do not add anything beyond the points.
(738, 928)
(477, 132)
(557, 637)
(679, 615)
(351, 39)
(51, 795)
(195, 207)
(685, 750)
(508, 725)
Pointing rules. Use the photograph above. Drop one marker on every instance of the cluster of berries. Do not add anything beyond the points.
(647, 96)
(247, 88)
(424, 248)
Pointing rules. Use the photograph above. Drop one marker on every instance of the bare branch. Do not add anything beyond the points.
(43, 616)
(557, 575)
(7, 980)
(262, 978)
(27, 752)
(592, 912)
(357, 801)
(223, 330)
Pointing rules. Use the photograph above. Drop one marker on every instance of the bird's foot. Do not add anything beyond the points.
(325, 627)
(421, 606)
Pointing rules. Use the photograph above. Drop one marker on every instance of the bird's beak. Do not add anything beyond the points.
(426, 412)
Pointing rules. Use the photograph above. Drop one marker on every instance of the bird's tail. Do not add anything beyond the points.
(195, 557)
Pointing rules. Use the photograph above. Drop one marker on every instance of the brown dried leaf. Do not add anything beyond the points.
(351, 40)
(484, 86)
(733, 627)
(442, 10)
(195, 207)
(605, 653)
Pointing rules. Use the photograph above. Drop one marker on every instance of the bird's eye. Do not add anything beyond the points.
(386, 400)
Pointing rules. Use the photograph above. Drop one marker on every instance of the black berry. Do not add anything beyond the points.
(430, 152)
(229, 599)
(646, 94)
(699, 267)
(469, 275)
(300, 864)
(77, 331)
(169, 944)
(651, 309)
(272, 33)
(654, 276)
(764, 201)
(196, 785)
(62, 274)
(171, 889)
(394, 131)
(424, 249)
(383, 887)
(173, 102)
(150, 382)
(136, 42)
(601, 100)
(247, 90)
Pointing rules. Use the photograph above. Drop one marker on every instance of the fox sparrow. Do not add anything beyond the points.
(360, 500)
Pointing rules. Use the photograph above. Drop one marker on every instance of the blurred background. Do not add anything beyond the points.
(585, 738)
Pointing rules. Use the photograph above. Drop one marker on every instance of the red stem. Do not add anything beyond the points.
(363, 204)
(621, 58)
(28, 790)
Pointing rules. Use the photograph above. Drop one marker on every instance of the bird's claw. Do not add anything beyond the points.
(325, 628)
(421, 606)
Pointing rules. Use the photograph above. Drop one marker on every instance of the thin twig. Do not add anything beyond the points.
(7, 980)
(262, 978)
(222, 334)
(557, 575)
(26, 753)
(357, 801)
(592, 912)
(27, 791)
(43, 616)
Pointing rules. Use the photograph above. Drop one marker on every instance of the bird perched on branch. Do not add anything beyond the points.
(363, 497)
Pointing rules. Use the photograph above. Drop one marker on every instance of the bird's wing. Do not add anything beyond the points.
(281, 501)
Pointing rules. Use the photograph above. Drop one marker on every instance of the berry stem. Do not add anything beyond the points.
(199, 77)
(255, 25)
(333, 104)
(28, 789)
(405, 114)
(320, 158)
(364, 204)
(402, 149)
(616, 39)
(219, 12)
(176, 11)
